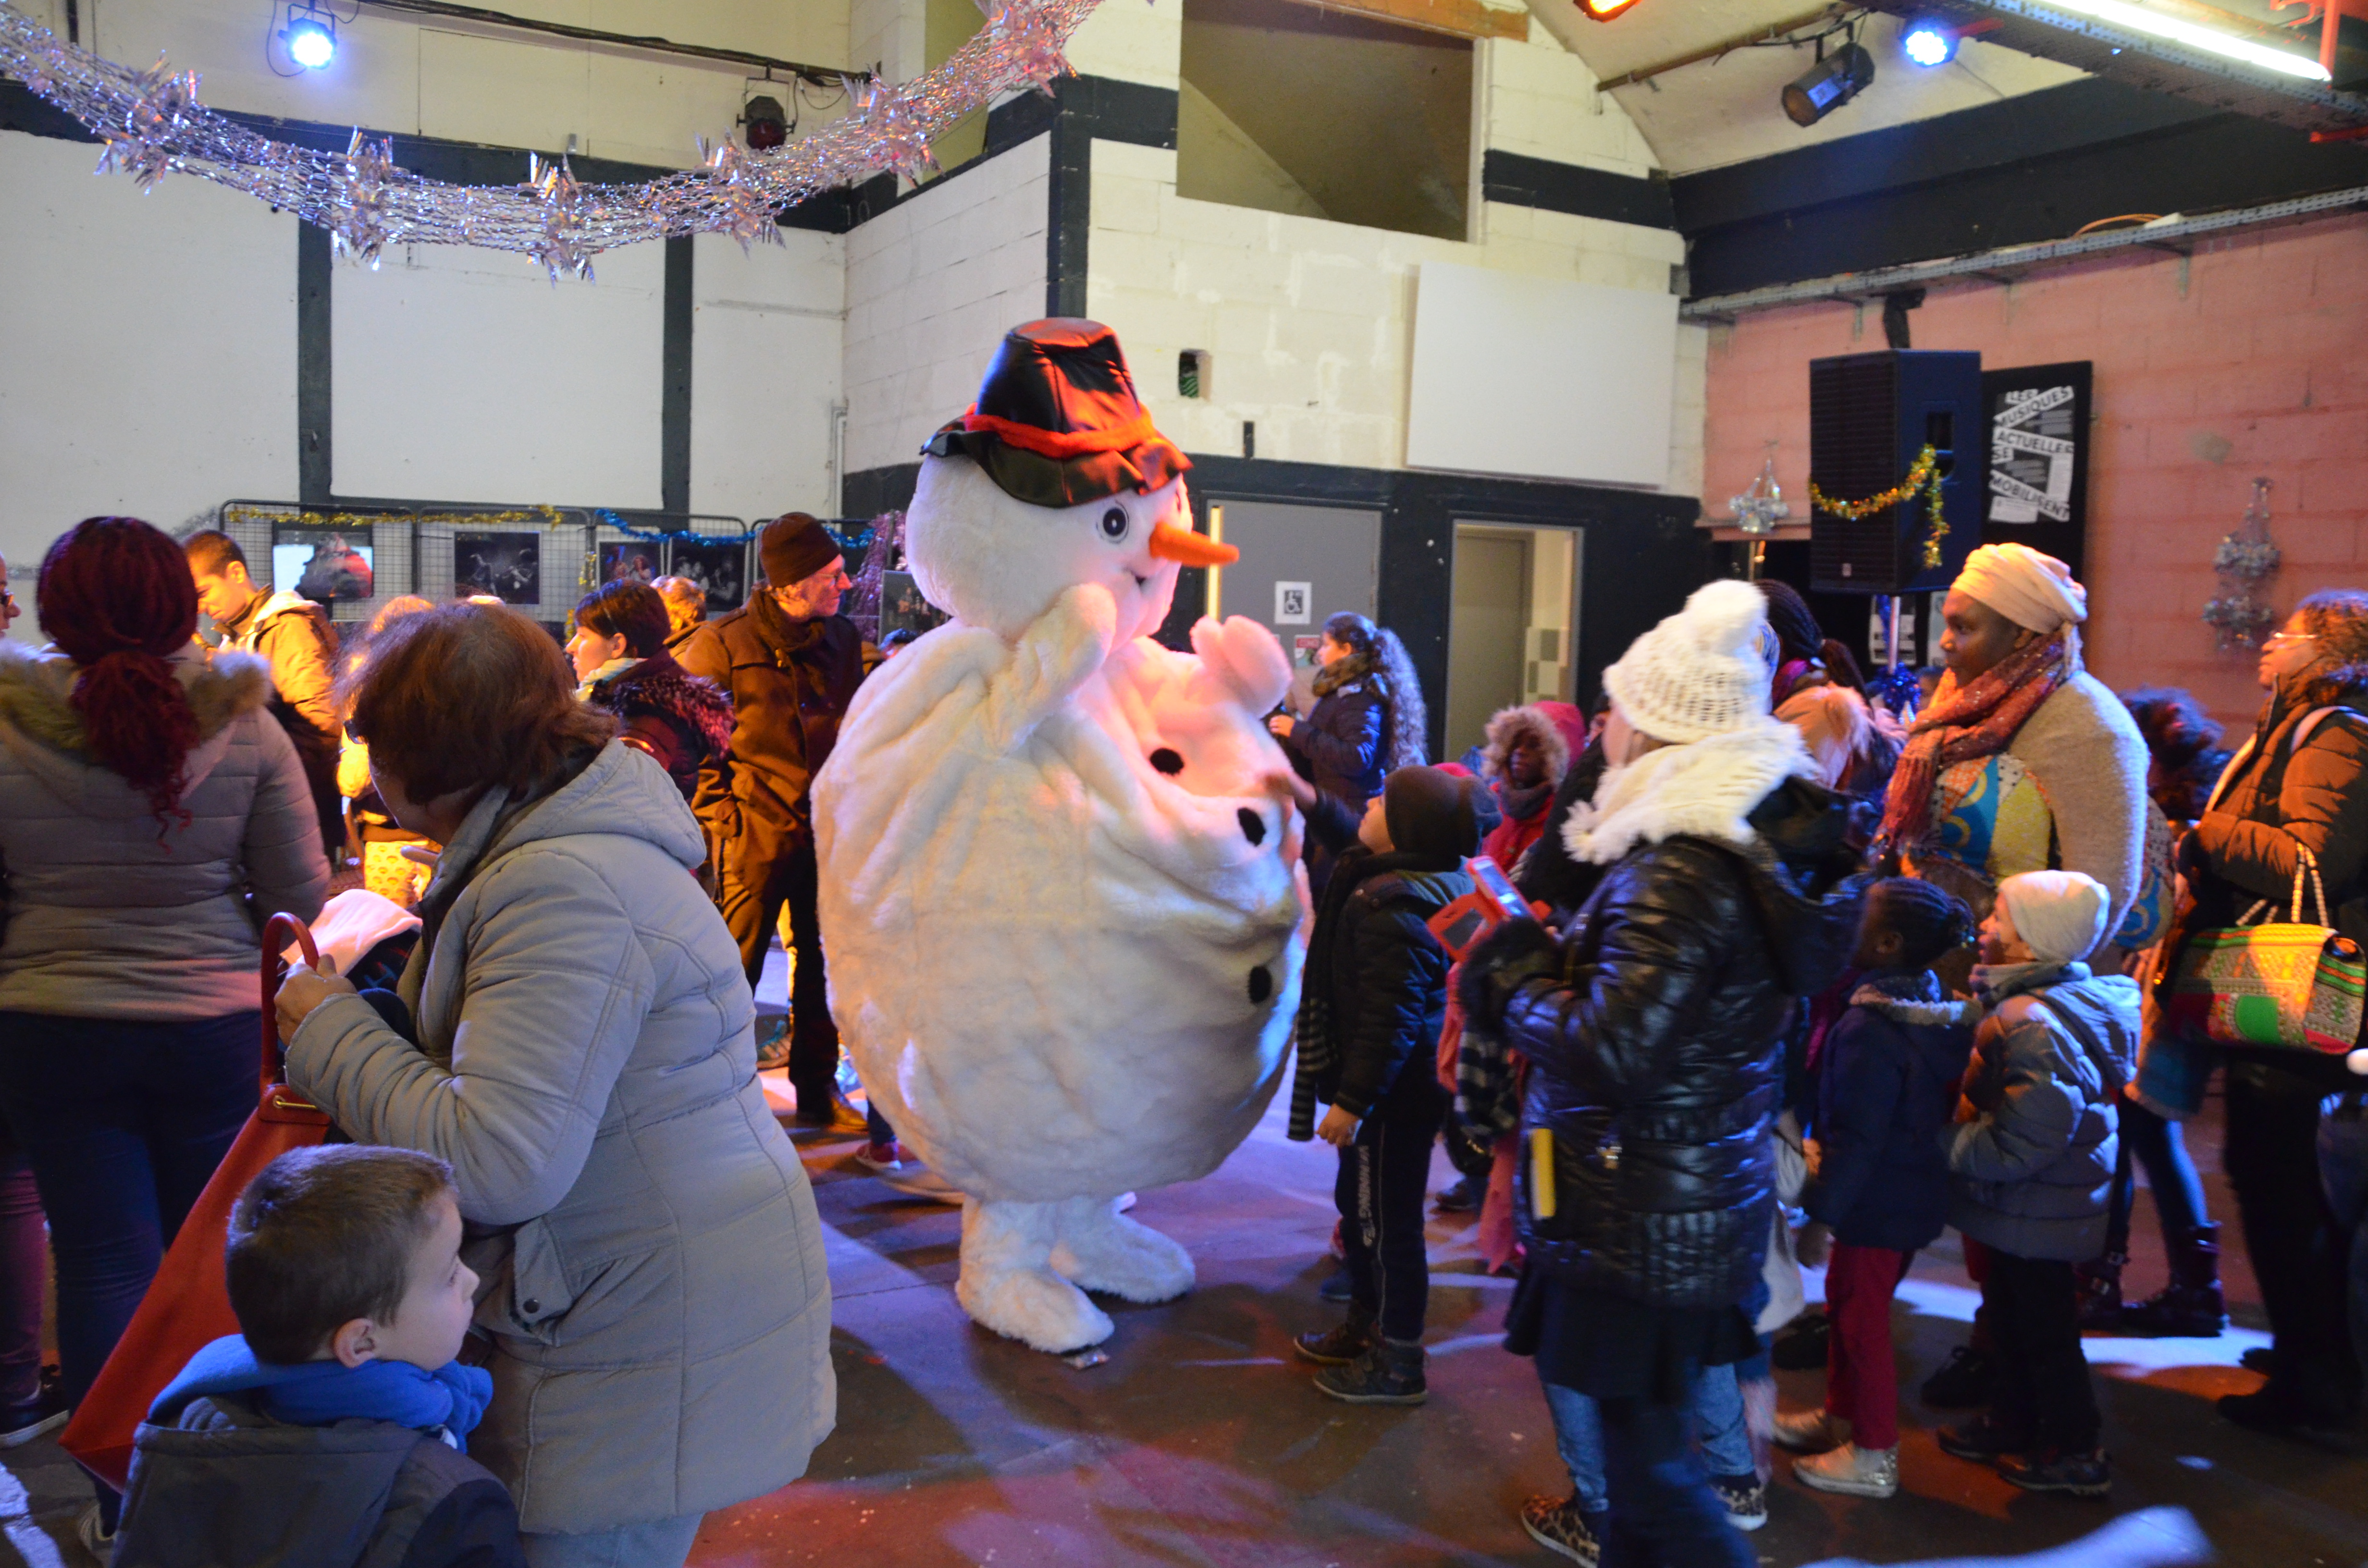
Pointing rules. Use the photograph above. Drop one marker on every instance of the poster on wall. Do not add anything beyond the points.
(321, 564)
(2039, 458)
(629, 561)
(902, 608)
(507, 566)
(719, 567)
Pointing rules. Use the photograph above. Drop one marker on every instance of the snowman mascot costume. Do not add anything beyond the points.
(1060, 911)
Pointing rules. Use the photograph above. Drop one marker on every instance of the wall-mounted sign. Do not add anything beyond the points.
(2039, 458)
(1294, 604)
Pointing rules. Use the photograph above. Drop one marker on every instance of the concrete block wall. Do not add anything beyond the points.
(932, 285)
(1539, 100)
(2251, 360)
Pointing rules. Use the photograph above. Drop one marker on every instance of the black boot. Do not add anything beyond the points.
(2099, 1291)
(2191, 1305)
(1338, 1346)
(1964, 1380)
(1389, 1372)
(1800, 1347)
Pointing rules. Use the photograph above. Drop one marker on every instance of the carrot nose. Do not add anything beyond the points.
(1169, 542)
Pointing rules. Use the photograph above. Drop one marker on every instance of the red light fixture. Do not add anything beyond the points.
(1604, 10)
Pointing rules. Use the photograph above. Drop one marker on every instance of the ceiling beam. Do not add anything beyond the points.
(1827, 12)
(1457, 18)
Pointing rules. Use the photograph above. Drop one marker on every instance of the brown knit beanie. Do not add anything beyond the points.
(793, 547)
(1430, 815)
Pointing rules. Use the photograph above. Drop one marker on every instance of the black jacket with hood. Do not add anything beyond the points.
(1887, 1085)
(1652, 1035)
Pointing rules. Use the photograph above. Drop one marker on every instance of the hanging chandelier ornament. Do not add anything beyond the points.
(153, 125)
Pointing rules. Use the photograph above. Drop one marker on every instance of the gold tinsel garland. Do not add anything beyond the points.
(1925, 475)
(548, 517)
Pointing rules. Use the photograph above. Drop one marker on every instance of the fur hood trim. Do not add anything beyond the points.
(1705, 789)
(36, 687)
(1921, 1009)
(1509, 724)
(669, 690)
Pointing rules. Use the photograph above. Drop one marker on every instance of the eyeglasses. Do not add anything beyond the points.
(2276, 637)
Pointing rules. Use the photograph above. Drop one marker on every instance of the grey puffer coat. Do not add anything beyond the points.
(653, 1264)
(2031, 1172)
(105, 915)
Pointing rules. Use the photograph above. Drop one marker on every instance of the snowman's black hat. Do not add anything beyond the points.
(1057, 423)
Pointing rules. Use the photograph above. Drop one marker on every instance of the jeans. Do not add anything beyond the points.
(123, 1123)
(1664, 1514)
(2043, 1378)
(24, 1269)
(1385, 1175)
(2161, 1149)
(1862, 1379)
(1718, 1425)
(2273, 1162)
(2343, 1168)
(752, 909)
(664, 1543)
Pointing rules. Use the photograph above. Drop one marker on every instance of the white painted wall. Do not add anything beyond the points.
(148, 366)
(765, 374)
(932, 285)
(465, 375)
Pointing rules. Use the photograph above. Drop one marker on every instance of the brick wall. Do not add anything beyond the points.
(932, 285)
(2249, 359)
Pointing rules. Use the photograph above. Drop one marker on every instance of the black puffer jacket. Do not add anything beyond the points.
(1343, 742)
(1652, 1038)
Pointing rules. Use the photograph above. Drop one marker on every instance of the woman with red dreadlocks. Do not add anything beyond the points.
(2023, 762)
(151, 811)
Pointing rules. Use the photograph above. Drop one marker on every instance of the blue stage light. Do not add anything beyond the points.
(311, 37)
(1928, 43)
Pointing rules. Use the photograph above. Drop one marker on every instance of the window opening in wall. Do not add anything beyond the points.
(1286, 107)
(1193, 373)
(950, 24)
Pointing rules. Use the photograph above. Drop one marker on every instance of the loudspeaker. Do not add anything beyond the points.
(1869, 415)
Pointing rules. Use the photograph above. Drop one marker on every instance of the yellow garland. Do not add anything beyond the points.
(1924, 475)
(547, 516)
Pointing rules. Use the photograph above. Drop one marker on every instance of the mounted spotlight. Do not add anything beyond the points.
(1604, 10)
(763, 124)
(311, 37)
(1928, 44)
(1832, 82)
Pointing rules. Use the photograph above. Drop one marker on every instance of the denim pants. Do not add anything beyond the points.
(1716, 1419)
(663, 1543)
(1664, 1514)
(123, 1123)
(2343, 1168)
(24, 1270)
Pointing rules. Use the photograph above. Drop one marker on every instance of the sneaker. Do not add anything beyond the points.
(1387, 1373)
(1464, 1197)
(881, 1157)
(1806, 1431)
(96, 1539)
(1337, 1287)
(1337, 1346)
(1983, 1440)
(1562, 1527)
(1851, 1470)
(1744, 1499)
(2177, 1311)
(1802, 1347)
(917, 1180)
(38, 1416)
(773, 1049)
(2053, 1470)
(1963, 1382)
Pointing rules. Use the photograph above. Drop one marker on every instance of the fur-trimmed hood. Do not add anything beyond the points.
(658, 685)
(1707, 789)
(37, 688)
(1916, 998)
(1550, 724)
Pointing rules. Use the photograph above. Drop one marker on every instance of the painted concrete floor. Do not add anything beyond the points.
(1200, 1443)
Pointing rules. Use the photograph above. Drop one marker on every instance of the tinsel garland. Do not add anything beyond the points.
(153, 125)
(1925, 475)
(545, 516)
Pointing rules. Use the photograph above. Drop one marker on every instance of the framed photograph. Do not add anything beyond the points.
(902, 608)
(321, 565)
(2039, 459)
(719, 567)
(507, 566)
(630, 560)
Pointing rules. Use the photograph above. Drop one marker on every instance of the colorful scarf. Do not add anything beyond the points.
(1978, 720)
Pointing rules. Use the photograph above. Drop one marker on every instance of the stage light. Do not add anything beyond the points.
(763, 124)
(1928, 43)
(1604, 10)
(311, 37)
(2177, 30)
(1832, 82)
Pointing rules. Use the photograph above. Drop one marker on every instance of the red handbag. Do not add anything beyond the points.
(187, 1305)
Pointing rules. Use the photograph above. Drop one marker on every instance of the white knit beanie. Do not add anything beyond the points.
(1701, 671)
(2060, 915)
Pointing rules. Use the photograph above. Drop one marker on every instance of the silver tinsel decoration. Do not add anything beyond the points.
(153, 125)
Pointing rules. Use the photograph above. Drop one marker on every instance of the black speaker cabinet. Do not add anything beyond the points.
(1869, 415)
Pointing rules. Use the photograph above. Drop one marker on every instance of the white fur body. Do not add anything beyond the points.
(1042, 946)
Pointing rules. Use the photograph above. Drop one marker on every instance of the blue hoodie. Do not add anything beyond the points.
(1887, 1085)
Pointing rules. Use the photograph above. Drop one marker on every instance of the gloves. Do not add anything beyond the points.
(1515, 953)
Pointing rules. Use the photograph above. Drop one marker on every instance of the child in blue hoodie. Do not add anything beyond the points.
(334, 1428)
(1887, 1085)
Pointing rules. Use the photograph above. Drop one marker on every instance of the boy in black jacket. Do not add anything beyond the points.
(334, 1428)
(1368, 1031)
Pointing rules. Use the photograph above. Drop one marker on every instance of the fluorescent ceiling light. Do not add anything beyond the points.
(2139, 18)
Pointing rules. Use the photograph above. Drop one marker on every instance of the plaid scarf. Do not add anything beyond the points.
(1487, 1085)
(1977, 720)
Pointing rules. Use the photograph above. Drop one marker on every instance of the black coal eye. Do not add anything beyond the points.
(1115, 523)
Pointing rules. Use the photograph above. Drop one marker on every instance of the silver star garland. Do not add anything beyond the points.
(153, 125)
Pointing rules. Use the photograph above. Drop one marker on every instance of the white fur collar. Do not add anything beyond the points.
(1705, 787)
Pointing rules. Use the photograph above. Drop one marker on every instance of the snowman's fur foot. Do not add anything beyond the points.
(1005, 1285)
(1103, 1250)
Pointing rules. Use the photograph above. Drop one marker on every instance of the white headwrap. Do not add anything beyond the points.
(2030, 589)
(2060, 915)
